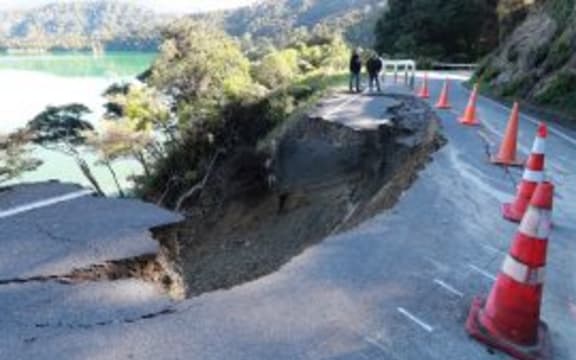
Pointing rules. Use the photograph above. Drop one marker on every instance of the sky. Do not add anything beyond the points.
(170, 6)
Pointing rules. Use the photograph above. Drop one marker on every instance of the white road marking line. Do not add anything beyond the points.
(44, 203)
(533, 120)
(420, 323)
(377, 344)
(449, 288)
(482, 272)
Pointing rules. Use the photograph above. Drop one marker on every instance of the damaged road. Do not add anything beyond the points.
(397, 286)
(326, 174)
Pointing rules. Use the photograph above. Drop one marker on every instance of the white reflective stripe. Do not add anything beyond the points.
(539, 146)
(537, 223)
(533, 176)
(523, 273)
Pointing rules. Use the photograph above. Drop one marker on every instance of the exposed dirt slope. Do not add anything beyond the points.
(320, 178)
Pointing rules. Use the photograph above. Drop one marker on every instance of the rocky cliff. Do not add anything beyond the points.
(536, 60)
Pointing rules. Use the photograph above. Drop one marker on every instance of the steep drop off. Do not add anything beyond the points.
(320, 177)
(537, 60)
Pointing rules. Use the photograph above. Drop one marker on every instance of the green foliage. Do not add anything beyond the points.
(141, 108)
(76, 25)
(457, 30)
(560, 91)
(518, 87)
(560, 10)
(328, 52)
(64, 128)
(15, 158)
(560, 52)
(278, 68)
(60, 125)
(202, 67)
(239, 126)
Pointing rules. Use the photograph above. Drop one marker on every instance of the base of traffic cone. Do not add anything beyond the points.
(510, 213)
(464, 121)
(443, 107)
(497, 161)
(541, 351)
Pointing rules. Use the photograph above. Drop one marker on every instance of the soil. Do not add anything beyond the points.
(320, 178)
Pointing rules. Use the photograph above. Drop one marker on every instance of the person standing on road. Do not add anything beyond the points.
(374, 67)
(355, 71)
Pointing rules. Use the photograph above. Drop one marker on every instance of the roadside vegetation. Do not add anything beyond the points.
(535, 59)
(223, 104)
(203, 100)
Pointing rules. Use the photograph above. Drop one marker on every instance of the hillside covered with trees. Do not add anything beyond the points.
(286, 21)
(77, 25)
(450, 30)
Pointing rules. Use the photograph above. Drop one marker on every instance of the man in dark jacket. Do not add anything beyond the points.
(355, 70)
(374, 67)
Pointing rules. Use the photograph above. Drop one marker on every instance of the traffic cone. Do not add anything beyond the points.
(533, 174)
(443, 102)
(509, 319)
(424, 92)
(469, 117)
(507, 154)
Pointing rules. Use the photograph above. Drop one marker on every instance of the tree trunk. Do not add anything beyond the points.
(115, 177)
(88, 174)
(142, 160)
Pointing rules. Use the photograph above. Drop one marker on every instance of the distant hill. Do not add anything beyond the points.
(77, 25)
(278, 20)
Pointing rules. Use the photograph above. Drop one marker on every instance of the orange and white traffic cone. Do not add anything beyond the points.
(424, 92)
(509, 319)
(508, 150)
(469, 118)
(533, 174)
(443, 102)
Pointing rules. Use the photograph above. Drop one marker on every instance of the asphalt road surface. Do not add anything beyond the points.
(397, 287)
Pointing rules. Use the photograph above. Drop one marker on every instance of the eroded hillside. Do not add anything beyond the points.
(537, 60)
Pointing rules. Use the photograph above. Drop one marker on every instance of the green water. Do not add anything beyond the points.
(118, 64)
(30, 83)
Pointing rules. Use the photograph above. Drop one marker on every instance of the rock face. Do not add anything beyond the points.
(537, 60)
(322, 177)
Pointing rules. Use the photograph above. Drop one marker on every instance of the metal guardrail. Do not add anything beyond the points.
(453, 66)
(407, 68)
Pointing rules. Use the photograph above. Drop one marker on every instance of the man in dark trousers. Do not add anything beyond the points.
(374, 67)
(355, 71)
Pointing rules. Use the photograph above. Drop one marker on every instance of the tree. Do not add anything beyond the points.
(201, 67)
(63, 129)
(277, 69)
(442, 29)
(115, 140)
(139, 113)
(15, 156)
